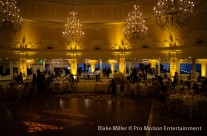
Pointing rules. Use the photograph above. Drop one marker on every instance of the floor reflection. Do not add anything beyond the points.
(37, 127)
(72, 113)
(65, 116)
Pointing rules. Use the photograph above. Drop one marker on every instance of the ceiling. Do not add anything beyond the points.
(103, 22)
(87, 2)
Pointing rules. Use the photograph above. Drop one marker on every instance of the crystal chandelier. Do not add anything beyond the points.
(73, 33)
(171, 13)
(9, 16)
(135, 29)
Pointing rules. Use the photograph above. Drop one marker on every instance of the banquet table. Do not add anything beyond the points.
(61, 86)
(89, 76)
(140, 89)
(191, 101)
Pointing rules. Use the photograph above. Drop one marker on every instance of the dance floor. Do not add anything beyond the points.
(66, 116)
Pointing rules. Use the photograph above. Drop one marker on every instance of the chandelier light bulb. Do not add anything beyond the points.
(9, 16)
(169, 14)
(73, 33)
(135, 29)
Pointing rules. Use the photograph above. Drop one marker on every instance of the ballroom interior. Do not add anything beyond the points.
(41, 36)
(48, 37)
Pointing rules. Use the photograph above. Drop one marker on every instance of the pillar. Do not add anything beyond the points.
(73, 67)
(193, 68)
(122, 65)
(22, 66)
(153, 63)
(101, 69)
(93, 64)
(203, 68)
(173, 66)
(112, 65)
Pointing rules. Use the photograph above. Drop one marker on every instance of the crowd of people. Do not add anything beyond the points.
(37, 84)
(139, 74)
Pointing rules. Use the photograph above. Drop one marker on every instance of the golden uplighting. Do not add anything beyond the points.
(93, 64)
(153, 63)
(23, 66)
(203, 66)
(122, 65)
(73, 67)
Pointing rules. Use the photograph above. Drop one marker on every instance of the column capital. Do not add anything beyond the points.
(112, 61)
(92, 61)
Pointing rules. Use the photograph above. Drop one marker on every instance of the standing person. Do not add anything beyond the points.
(113, 87)
(122, 90)
(144, 75)
(97, 73)
(20, 78)
(38, 71)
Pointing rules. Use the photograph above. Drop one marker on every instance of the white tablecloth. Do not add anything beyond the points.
(189, 100)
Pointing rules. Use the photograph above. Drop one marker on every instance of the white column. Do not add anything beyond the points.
(101, 69)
